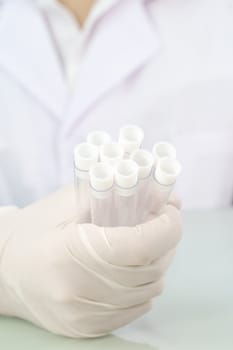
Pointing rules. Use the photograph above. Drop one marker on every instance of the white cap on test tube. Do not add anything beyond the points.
(126, 176)
(98, 138)
(111, 153)
(85, 155)
(101, 179)
(167, 171)
(131, 137)
(163, 150)
(145, 161)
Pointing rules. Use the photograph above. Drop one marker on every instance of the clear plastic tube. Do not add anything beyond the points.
(130, 137)
(145, 161)
(119, 184)
(82, 194)
(126, 178)
(162, 184)
(101, 184)
(85, 156)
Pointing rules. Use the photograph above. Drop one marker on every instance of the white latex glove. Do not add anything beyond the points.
(81, 280)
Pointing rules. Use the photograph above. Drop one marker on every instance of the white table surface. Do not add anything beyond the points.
(194, 313)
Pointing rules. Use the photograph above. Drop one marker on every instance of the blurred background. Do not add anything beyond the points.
(69, 67)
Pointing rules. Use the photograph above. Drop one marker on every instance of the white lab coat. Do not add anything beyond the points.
(166, 65)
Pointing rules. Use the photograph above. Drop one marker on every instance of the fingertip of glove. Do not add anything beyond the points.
(164, 231)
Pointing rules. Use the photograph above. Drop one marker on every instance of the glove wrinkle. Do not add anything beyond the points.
(103, 232)
(110, 283)
(96, 303)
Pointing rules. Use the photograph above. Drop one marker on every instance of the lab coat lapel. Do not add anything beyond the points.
(28, 55)
(121, 44)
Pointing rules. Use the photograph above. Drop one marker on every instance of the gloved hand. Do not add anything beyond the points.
(81, 280)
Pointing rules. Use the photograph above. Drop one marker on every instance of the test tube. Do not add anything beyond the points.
(101, 184)
(164, 179)
(131, 137)
(85, 156)
(163, 150)
(111, 153)
(98, 138)
(145, 162)
(126, 179)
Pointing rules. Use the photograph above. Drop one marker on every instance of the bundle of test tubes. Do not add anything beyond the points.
(119, 183)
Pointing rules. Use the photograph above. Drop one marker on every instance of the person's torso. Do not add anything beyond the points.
(166, 66)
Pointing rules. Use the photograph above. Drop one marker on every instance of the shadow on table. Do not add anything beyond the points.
(19, 335)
